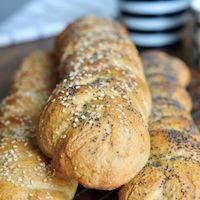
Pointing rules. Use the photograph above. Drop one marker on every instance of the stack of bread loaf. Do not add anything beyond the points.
(95, 125)
(95, 122)
(173, 169)
(25, 173)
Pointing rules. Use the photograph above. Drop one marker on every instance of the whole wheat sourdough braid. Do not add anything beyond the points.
(95, 123)
(173, 170)
(25, 173)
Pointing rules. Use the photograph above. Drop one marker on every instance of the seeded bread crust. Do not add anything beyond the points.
(95, 123)
(25, 173)
(173, 169)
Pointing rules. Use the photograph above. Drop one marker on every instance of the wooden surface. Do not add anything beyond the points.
(11, 57)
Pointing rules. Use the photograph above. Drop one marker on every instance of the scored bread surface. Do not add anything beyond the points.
(173, 169)
(95, 123)
(25, 173)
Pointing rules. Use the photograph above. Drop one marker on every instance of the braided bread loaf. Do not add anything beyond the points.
(24, 172)
(173, 170)
(95, 123)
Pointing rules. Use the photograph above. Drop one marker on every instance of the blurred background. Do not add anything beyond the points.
(28, 20)
(151, 23)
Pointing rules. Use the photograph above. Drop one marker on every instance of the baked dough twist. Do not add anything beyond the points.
(173, 170)
(95, 123)
(25, 173)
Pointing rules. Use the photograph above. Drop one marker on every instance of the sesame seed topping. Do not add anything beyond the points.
(83, 117)
(74, 125)
(76, 120)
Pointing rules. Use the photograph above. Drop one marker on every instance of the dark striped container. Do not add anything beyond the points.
(154, 23)
(195, 5)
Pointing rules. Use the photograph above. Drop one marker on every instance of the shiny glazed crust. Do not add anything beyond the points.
(173, 169)
(95, 123)
(25, 173)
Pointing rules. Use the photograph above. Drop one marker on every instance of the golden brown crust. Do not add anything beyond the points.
(173, 169)
(95, 123)
(160, 63)
(25, 173)
(171, 91)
